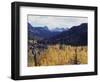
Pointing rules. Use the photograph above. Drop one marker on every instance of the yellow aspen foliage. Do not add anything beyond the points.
(61, 55)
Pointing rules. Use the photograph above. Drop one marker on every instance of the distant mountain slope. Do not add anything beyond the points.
(77, 35)
(40, 32)
(57, 29)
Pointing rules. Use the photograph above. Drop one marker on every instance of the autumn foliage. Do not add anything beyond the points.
(60, 55)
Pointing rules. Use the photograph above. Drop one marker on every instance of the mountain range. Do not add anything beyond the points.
(57, 29)
(41, 32)
(76, 35)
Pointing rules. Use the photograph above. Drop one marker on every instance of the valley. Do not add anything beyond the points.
(59, 47)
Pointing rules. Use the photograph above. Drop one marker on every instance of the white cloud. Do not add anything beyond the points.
(56, 21)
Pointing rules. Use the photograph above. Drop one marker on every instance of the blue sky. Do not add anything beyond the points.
(56, 21)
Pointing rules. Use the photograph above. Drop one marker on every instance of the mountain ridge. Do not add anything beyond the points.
(76, 35)
(40, 32)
